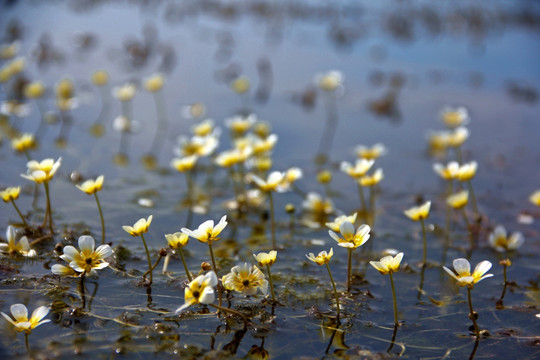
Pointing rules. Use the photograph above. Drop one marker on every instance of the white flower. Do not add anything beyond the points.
(499, 240)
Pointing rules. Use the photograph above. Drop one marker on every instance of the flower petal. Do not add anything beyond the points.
(462, 267)
(86, 244)
(70, 253)
(103, 251)
(19, 312)
(39, 314)
(482, 268)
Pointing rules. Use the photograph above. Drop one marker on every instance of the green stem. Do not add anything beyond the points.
(272, 220)
(469, 229)
(372, 205)
(458, 154)
(505, 283)
(188, 274)
(189, 182)
(424, 256)
(147, 258)
(26, 342)
(271, 283)
(49, 212)
(349, 269)
(473, 198)
(101, 218)
(471, 314)
(394, 297)
(362, 197)
(19, 212)
(335, 290)
(214, 267)
(153, 266)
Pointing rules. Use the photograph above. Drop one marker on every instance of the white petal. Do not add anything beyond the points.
(8, 318)
(39, 313)
(462, 266)
(100, 266)
(516, 241)
(346, 229)
(334, 236)
(70, 253)
(220, 226)
(19, 312)
(23, 244)
(450, 272)
(363, 230)
(103, 251)
(86, 244)
(10, 234)
(61, 270)
(482, 268)
(207, 295)
(211, 279)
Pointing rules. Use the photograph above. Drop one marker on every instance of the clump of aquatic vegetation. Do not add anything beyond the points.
(238, 282)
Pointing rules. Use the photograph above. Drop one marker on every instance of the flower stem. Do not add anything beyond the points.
(362, 197)
(472, 315)
(271, 283)
(473, 198)
(394, 297)
(272, 220)
(188, 274)
(48, 211)
(505, 283)
(101, 218)
(335, 290)
(26, 342)
(147, 258)
(154, 266)
(20, 214)
(189, 182)
(424, 256)
(372, 205)
(349, 269)
(214, 268)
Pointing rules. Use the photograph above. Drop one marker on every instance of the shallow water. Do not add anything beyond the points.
(420, 56)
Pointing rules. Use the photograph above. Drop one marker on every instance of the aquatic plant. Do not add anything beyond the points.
(42, 173)
(208, 233)
(92, 187)
(267, 260)
(371, 152)
(20, 320)
(84, 261)
(177, 241)
(274, 183)
(356, 171)
(246, 279)
(462, 274)
(501, 242)
(141, 227)
(465, 173)
(13, 247)
(420, 213)
(10, 194)
(388, 265)
(323, 258)
(535, 198)
(454, 117)
(350, 239)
